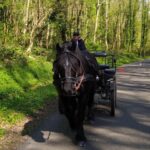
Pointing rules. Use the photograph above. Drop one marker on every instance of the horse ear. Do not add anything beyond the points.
(58, 47)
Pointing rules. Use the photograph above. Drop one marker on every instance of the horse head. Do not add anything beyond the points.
(69, 68)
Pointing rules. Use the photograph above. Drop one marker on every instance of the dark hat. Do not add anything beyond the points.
(76, 33)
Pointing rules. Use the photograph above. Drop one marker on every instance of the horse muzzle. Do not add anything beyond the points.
(71, 86)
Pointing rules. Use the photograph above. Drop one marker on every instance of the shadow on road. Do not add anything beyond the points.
(129, 129)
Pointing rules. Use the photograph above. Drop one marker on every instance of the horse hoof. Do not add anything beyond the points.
(82, 143)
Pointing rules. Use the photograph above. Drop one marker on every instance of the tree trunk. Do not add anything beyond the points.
(106, 23)
(51, 35)
(79, 15)
(26, 17)
(47, 36)
(32, 35)
(96, 21)
(144, 26)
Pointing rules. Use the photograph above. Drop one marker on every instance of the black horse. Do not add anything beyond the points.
(75, 81)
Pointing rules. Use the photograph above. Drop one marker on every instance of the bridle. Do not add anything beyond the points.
(75, 81)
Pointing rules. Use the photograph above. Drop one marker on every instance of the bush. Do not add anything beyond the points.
(11, 56)
(24, 89)
(40, 69)
(126, 57)
(93, 47)
(8, 85)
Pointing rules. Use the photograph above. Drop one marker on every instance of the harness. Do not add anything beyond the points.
(78, 80)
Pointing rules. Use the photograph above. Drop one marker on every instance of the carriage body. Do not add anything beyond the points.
(105, 93)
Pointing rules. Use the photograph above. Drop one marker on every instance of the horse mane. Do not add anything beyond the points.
(82, 58)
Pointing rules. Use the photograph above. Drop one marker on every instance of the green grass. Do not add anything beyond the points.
(23, 90)
(15, 108)
(126, 58)
(2, 132)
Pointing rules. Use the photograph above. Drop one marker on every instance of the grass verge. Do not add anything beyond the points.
(24, 89)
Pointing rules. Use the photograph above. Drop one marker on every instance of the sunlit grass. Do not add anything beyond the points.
(127, 58)
(2, 132)
(14, 109)
(24, 90)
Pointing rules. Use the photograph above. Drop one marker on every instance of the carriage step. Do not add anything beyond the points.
(111, 71)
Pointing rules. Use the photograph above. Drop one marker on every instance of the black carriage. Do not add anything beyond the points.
(106, 89)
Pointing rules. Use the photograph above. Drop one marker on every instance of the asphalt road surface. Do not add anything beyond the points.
(128, 130)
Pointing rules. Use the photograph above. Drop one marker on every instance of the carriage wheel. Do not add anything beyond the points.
(115, 91)
(113, 103)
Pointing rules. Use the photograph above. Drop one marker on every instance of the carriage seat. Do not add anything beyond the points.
(110, 72)
(103, 66)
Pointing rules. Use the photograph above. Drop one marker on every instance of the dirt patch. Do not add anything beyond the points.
(17, 134)
(9, 142)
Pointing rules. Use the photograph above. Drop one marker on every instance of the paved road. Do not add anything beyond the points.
(129, 130)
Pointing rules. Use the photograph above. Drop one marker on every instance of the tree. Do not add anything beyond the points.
(104, 24)
(144, 26)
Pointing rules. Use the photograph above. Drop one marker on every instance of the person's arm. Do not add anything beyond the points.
(82, 45)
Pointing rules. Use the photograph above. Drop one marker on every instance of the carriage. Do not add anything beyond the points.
(106, 91)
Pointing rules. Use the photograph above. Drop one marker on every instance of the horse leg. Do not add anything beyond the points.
(80, 136)
(61, 107)
(70, 107)
(71, 121)
(90, 113)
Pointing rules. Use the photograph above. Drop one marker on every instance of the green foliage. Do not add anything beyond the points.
(40, 51)
(24, 76)
(48, 54)
(8, 85)
(11, 56)
(37, 71)
(9, 116)
(127, 57)
(93, 47)
(14, 109)
(24, 89)
(41, 69)
(128, 23)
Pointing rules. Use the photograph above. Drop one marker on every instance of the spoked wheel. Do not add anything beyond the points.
(112, 103)
(112, 98)
(115, 90)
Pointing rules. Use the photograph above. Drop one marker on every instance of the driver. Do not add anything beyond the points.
(78, 42)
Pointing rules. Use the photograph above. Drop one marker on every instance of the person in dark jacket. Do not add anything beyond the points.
(77, 41)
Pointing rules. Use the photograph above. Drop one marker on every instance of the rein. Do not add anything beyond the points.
(77, 87)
